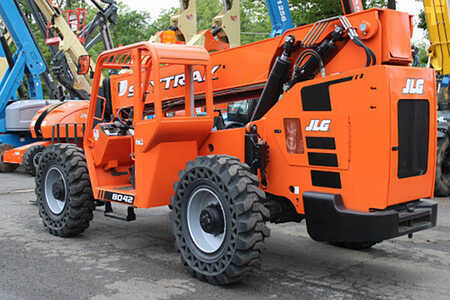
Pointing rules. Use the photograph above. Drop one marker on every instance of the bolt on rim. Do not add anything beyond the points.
(206, 220)
(55, 190)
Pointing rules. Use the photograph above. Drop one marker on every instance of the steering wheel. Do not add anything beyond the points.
(125, 116)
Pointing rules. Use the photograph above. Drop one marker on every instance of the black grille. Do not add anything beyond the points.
(320, 143)
(413, 131)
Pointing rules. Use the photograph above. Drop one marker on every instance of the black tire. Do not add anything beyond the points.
(30, 159)
(75, 192)
(354, 245)
(243, 213)
(442, 186)
(6, 167)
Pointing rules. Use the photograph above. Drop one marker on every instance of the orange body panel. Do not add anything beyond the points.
(65, 113)
(15, 156)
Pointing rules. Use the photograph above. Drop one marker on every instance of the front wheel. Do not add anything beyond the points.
(63, 190)
(218, 219)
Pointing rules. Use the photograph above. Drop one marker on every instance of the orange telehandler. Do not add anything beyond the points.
(342, 134)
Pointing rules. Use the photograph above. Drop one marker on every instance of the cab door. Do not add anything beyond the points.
(413, 134)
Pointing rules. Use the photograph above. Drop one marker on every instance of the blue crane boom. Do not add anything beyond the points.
(27, 59)
(280, 15)
(26, 62)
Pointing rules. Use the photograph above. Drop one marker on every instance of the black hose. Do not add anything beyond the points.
(359, 43)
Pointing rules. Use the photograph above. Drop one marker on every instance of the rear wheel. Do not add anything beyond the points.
(442, 186)
(30, 160)
(6, 167)
(63, 190)
(218, 219)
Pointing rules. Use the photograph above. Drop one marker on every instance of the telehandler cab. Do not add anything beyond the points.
(343, 135)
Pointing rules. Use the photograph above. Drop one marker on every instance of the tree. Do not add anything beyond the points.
(422, 21)
(392, 4)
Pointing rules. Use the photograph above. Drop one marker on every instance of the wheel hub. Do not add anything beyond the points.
(55, 190)
(211, 219)
(58, 190)
(206, 220)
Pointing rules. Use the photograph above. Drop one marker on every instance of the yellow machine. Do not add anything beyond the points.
(437, 16)
(3, 66)
(3, 60)
(69, 44)
(438, 24)
(182, 26)
(185, 23)
(226, 28)
(225, 32)
(230, 23)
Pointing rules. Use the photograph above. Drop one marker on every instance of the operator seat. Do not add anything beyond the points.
(219, 123)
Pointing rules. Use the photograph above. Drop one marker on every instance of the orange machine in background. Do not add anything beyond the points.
(57, 123)
(339, 131)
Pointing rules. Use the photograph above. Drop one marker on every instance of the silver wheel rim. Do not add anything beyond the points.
(54, 176)
(36, 158)
(201, 199)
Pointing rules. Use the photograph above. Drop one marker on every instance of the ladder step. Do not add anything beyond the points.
(131, 216)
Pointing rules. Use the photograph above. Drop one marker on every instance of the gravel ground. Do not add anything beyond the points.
(137, 260)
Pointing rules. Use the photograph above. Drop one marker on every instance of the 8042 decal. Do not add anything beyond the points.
(118, 197)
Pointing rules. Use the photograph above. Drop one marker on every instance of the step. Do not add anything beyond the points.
(131, 216)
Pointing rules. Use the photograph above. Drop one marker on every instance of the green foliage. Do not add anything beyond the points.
(422, 21)
(423, 53)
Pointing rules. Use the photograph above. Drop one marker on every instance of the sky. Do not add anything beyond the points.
(154, 7)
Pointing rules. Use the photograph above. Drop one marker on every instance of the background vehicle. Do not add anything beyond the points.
(438, 24)
(21, 91)
(36, 124)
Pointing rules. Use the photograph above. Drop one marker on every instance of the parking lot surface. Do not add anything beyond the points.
(138, 260)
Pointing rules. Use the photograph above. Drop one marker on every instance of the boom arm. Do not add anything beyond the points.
(103, 19)
(70, 48)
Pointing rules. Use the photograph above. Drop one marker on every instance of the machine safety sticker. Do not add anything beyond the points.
(96, 134)
(123, 87)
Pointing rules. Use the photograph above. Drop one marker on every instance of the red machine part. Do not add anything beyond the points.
(76, 18)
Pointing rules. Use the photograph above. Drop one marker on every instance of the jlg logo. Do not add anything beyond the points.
(122, 198)
(317, 125)
(414, 87)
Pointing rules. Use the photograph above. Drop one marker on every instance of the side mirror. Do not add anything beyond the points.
(84, 64)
